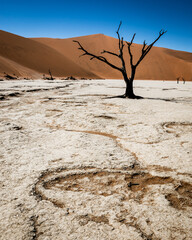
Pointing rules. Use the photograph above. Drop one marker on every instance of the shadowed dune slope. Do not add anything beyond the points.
(160, 63)
(26, 57)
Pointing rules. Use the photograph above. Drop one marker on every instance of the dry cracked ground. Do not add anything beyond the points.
(78, 164)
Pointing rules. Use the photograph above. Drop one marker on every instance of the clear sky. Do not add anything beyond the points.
(72, 18)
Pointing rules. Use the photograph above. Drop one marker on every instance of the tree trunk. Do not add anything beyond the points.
(129, 90)
(129, 84)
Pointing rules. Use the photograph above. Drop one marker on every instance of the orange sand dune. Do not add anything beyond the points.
(161, 63)
(17, 54)
(33, 57)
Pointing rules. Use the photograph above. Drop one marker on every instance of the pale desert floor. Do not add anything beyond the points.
(76, 164)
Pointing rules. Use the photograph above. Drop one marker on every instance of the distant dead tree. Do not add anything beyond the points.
(128, 80)
(9, 77)
(180, 79)
(51, 77)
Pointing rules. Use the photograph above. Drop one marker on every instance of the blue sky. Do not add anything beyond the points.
(65, 19)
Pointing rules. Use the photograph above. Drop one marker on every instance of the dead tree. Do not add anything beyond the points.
(121, 44)
(51, 77)
(9, 77)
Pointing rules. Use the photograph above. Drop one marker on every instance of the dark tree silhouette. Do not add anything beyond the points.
(128, 80)
(51, 77)
(9, 77)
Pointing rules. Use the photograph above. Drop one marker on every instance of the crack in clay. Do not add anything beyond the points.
(170, 127)
(182, 197)
(105, 182)
(18, 94)
(104, 134)
(105, 117)
(114, 138)
(96, 183)
(94, 133)
(84, 219)
(35, 232)
(47, 89)
(159, 168)
(142, 233)
(7, 96)
(110, 135)
(122, 218)
(173, 127)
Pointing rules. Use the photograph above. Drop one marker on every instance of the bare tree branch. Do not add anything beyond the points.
(121, 46)
(104, 51)
(144, 45)
(119, 26)
(146, 51)
(133, 38)
(129, 49)
(100, 58)
(82, 55)
(119, 35)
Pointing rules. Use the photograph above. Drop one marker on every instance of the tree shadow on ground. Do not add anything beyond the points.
(147, 98)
